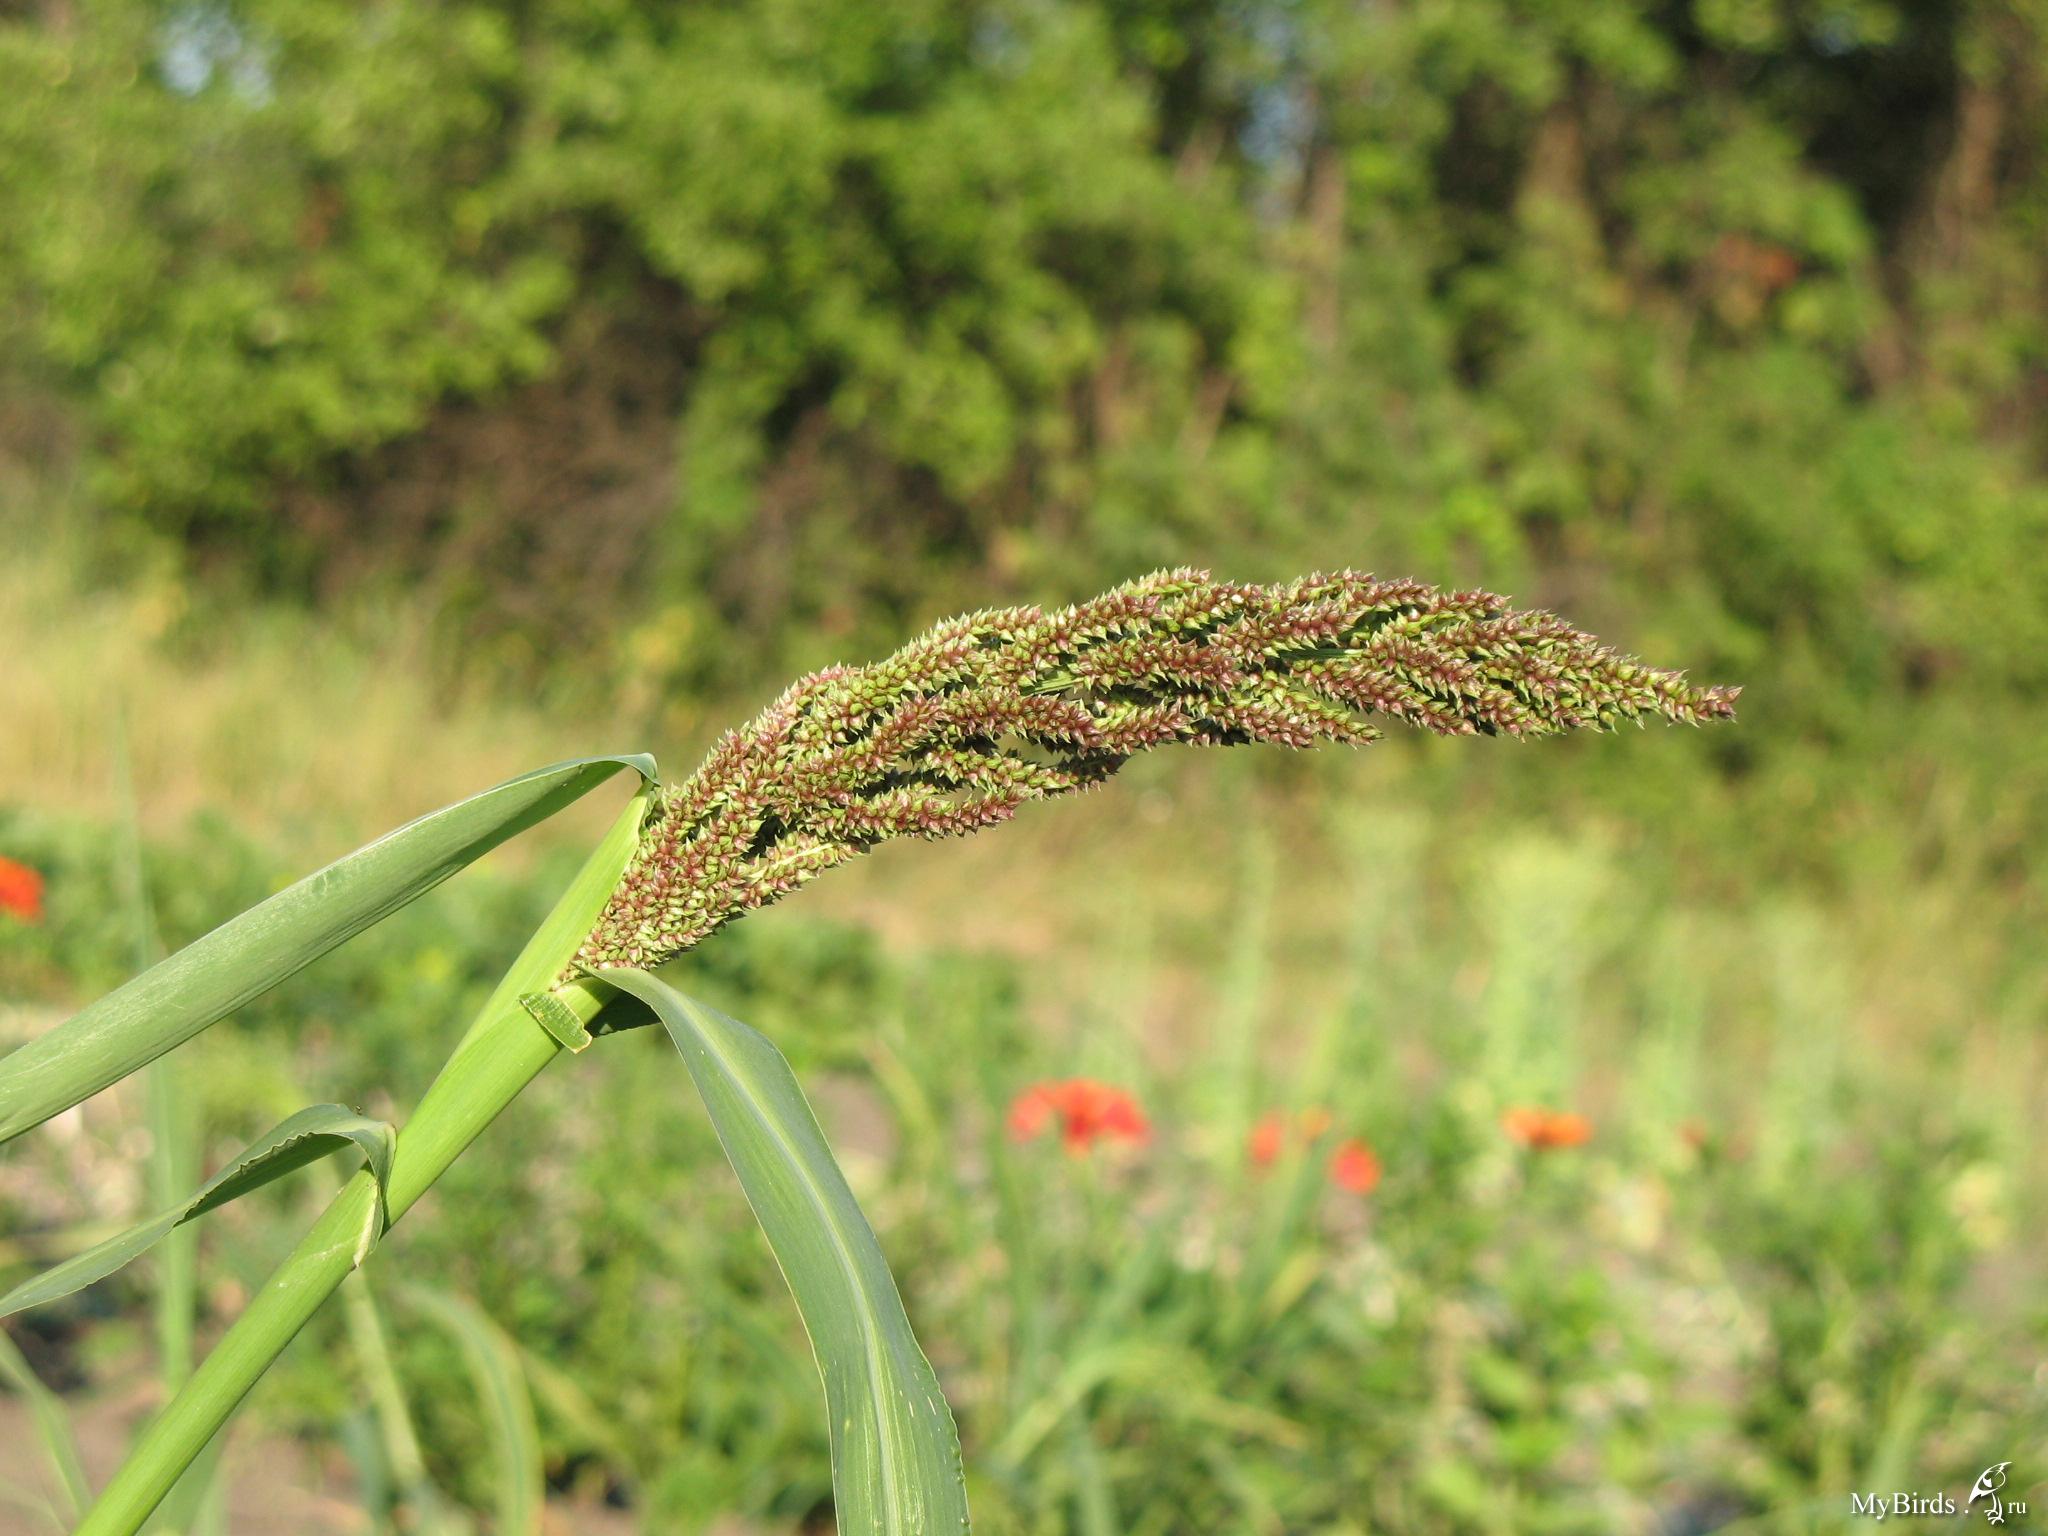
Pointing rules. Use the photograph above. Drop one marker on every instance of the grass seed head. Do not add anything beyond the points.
(990, 711)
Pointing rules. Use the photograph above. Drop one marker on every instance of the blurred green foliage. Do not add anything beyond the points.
(756, 334)
(1773, 1275)
(1716, 323)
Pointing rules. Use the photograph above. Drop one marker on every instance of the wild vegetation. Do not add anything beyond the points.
(951, 734)
(1628, 1134)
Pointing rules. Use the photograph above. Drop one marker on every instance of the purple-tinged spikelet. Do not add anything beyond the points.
(988, 712)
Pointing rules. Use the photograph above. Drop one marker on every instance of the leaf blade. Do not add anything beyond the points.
(53, 1428)
(247, 955)
(896, 1466)
(299, 1139)
(504, 1399)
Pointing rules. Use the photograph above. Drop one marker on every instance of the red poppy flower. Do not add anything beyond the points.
(1087, 1111)
(1545, 1129)
(21, 891)
(1354, 1167)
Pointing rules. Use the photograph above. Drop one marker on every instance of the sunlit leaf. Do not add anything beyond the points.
(247, 955)
(895, 1452)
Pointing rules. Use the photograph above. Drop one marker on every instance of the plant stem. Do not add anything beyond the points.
(193, 1506)
(502, 1052)
(408, 1464)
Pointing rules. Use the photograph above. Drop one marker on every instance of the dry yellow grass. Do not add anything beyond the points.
(322, 727)
(318, 732)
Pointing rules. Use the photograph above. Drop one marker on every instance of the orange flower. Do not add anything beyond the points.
(1268, 1140)
(21, 891)
(1269, 1137)
(1570, 1129)
(1354, 1167)
(1088, 1111)
(1544, 1129)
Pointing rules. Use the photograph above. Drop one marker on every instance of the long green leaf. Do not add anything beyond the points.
(579, 1425)
(305, 1137)
(398, 1457)
(500, 1386)
(895, 1452)
(247, 955)
(197, 1506)
(12, 1497)
(53, 1428)
(499, 1057)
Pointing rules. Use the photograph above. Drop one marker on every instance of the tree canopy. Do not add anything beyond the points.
(1721, 319)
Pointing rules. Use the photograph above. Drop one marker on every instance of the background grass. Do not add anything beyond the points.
(392, 400)
(1799, 1255)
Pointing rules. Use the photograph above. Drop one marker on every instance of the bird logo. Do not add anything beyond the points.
(1989, 1481)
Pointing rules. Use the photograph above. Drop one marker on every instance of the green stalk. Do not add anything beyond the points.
(504, 1050)
(408, 1464)
(194, 1506)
